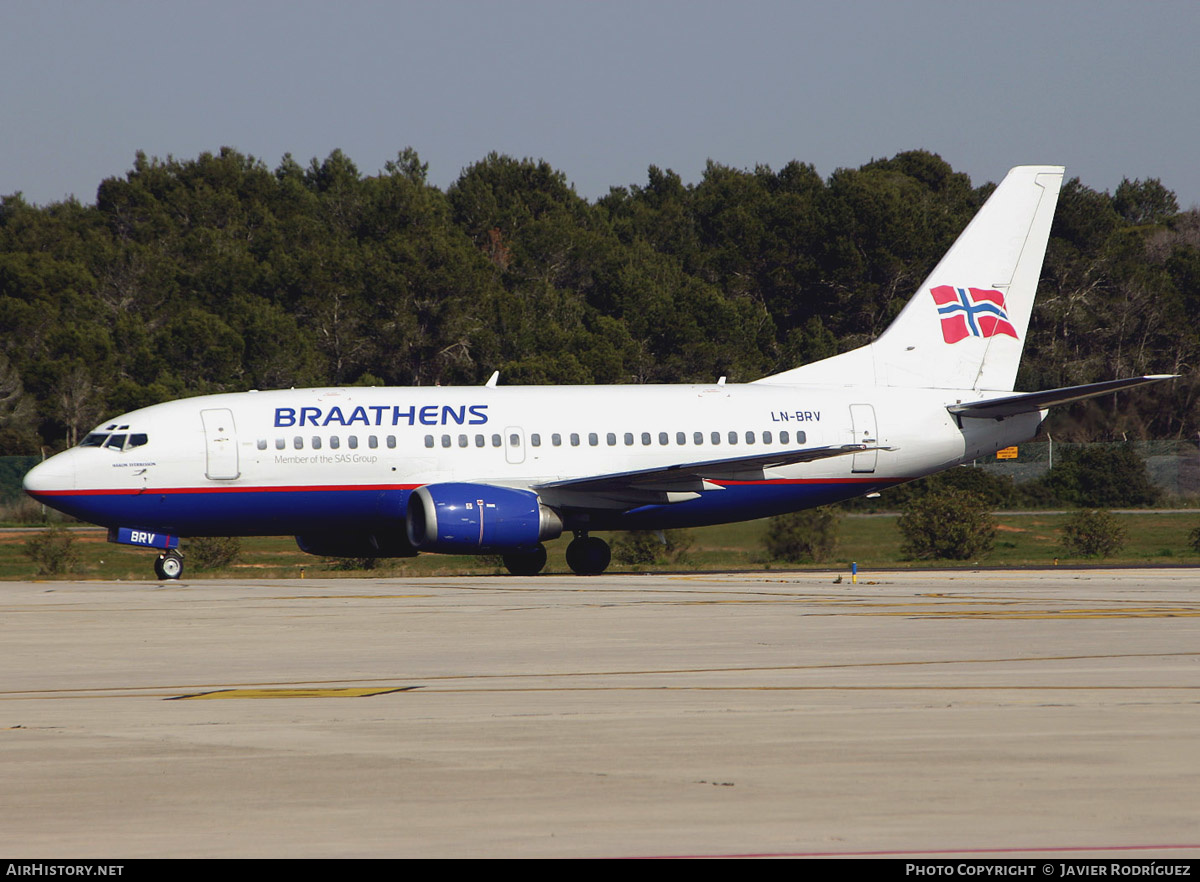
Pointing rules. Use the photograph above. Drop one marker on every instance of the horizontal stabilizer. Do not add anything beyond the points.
(1028, 402)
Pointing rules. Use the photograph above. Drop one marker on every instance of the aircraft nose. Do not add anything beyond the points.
(56, 473)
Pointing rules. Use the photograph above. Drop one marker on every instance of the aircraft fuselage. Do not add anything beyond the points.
(345, 459)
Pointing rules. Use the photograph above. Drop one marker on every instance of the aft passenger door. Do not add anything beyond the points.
(862, 416)
(220, 440)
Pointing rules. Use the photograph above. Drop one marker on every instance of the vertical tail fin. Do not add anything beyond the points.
(965, 327)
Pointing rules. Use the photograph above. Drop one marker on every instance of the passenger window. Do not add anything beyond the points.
(372, 442)
(766, 437)
(391, 442)
(611, 438)
(353, 442)
(262, 443)
(316, 442)
(629, 439)
(574, 439)
(697, 438)
(535, 440)
(749, 437)
(463, 440)
(479, 441)
(514, 440)
(445, 440)
(716, 438)
(556, 439)
(784, 437)
(428, 440)
(335, 442)
(663, 438)
(801, 437)
(298, 443)
(645, 439)
(593, 439)
(497, 441)
(280, 443)
(681, 438)
(733, 437)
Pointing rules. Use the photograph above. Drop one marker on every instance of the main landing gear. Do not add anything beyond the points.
(588, 555)
(526, 563)
(169, 565)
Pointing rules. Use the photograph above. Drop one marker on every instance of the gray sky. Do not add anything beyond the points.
(601, 90)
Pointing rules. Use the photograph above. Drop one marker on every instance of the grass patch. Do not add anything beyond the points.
(873, 541)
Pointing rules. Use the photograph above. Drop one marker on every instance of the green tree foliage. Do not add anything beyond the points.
(808, 536)
(998, 491)
(213, 552)
(219, 273)
(947, 524)
(354, 564)
(1092, 533)
(645, 547)
(53, 551)
(1144, 202)
(1102, 476)
(1194, 539)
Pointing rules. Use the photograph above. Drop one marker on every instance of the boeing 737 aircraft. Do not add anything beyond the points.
(394, 471)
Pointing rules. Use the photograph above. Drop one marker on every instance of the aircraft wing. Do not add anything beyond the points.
(678, 482)
(1028, 402)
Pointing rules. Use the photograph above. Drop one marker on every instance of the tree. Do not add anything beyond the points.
(1144, 202)
(644, 547)
(947, 524)
(1092, 533)
(17, 435)
(53, 551)
(214, 552)
(803, 536)
(1102, 476)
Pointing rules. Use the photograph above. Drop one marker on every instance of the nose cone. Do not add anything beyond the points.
(55, 475)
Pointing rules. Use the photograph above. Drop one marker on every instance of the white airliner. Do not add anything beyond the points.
(392, 471)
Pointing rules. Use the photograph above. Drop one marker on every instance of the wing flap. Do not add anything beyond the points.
(678, 482)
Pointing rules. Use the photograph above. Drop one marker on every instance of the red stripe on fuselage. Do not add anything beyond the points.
(730, 483)
(333, 488)
(306, 488)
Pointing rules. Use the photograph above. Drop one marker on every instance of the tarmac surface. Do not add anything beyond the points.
(914, 714)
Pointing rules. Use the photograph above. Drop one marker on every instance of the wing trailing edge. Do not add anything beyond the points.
(678, 482)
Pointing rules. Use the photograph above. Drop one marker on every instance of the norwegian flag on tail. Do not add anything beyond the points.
(971, 312)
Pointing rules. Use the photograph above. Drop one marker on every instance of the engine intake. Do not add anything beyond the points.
(474, 518)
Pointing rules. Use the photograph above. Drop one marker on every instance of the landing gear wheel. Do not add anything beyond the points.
(169, 566)
(526, 563)
(588, 556)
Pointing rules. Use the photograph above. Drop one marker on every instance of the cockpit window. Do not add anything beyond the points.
(115, 442)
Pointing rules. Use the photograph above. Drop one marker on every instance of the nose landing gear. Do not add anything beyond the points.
(169, 565)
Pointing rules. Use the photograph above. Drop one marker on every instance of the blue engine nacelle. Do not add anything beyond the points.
(478, 518)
